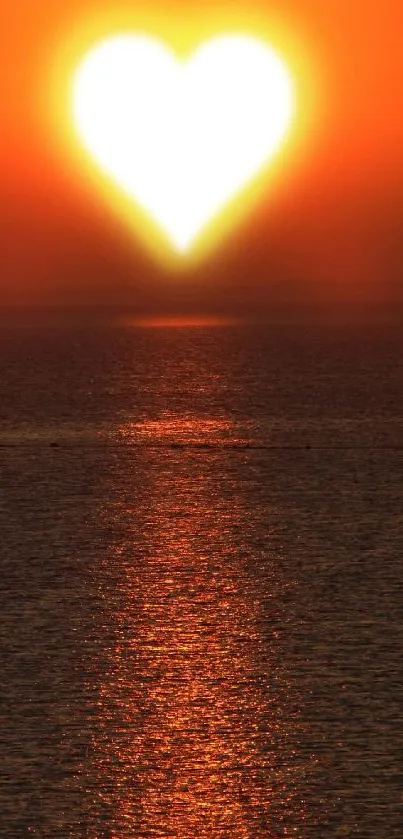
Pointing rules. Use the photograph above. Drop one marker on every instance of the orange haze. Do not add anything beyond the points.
(331, 231)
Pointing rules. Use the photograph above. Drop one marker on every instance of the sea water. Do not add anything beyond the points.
(201, 582)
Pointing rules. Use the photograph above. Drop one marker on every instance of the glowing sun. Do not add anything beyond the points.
(182, 138)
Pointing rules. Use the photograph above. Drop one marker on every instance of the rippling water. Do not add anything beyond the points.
(201, 596)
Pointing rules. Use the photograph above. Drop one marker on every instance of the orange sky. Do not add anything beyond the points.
(332, 231)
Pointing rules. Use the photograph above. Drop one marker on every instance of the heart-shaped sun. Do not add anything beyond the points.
(182, 138)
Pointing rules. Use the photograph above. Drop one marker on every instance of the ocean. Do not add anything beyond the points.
(201, 539)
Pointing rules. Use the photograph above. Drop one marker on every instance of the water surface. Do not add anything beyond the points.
(200, 586)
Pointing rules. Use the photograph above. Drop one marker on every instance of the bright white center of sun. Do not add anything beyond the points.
(182, 137)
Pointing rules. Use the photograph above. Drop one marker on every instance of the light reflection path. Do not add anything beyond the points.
(194, 735)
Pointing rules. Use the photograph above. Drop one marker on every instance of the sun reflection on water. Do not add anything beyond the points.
(194, 736)
(171, 427)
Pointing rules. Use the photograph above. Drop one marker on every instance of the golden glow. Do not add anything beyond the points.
(184, 33)
(181, 139)
(178, 322)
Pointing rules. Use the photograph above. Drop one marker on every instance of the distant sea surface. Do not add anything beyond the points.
(201, 540)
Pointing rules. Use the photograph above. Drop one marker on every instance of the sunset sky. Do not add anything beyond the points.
(331, 231)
